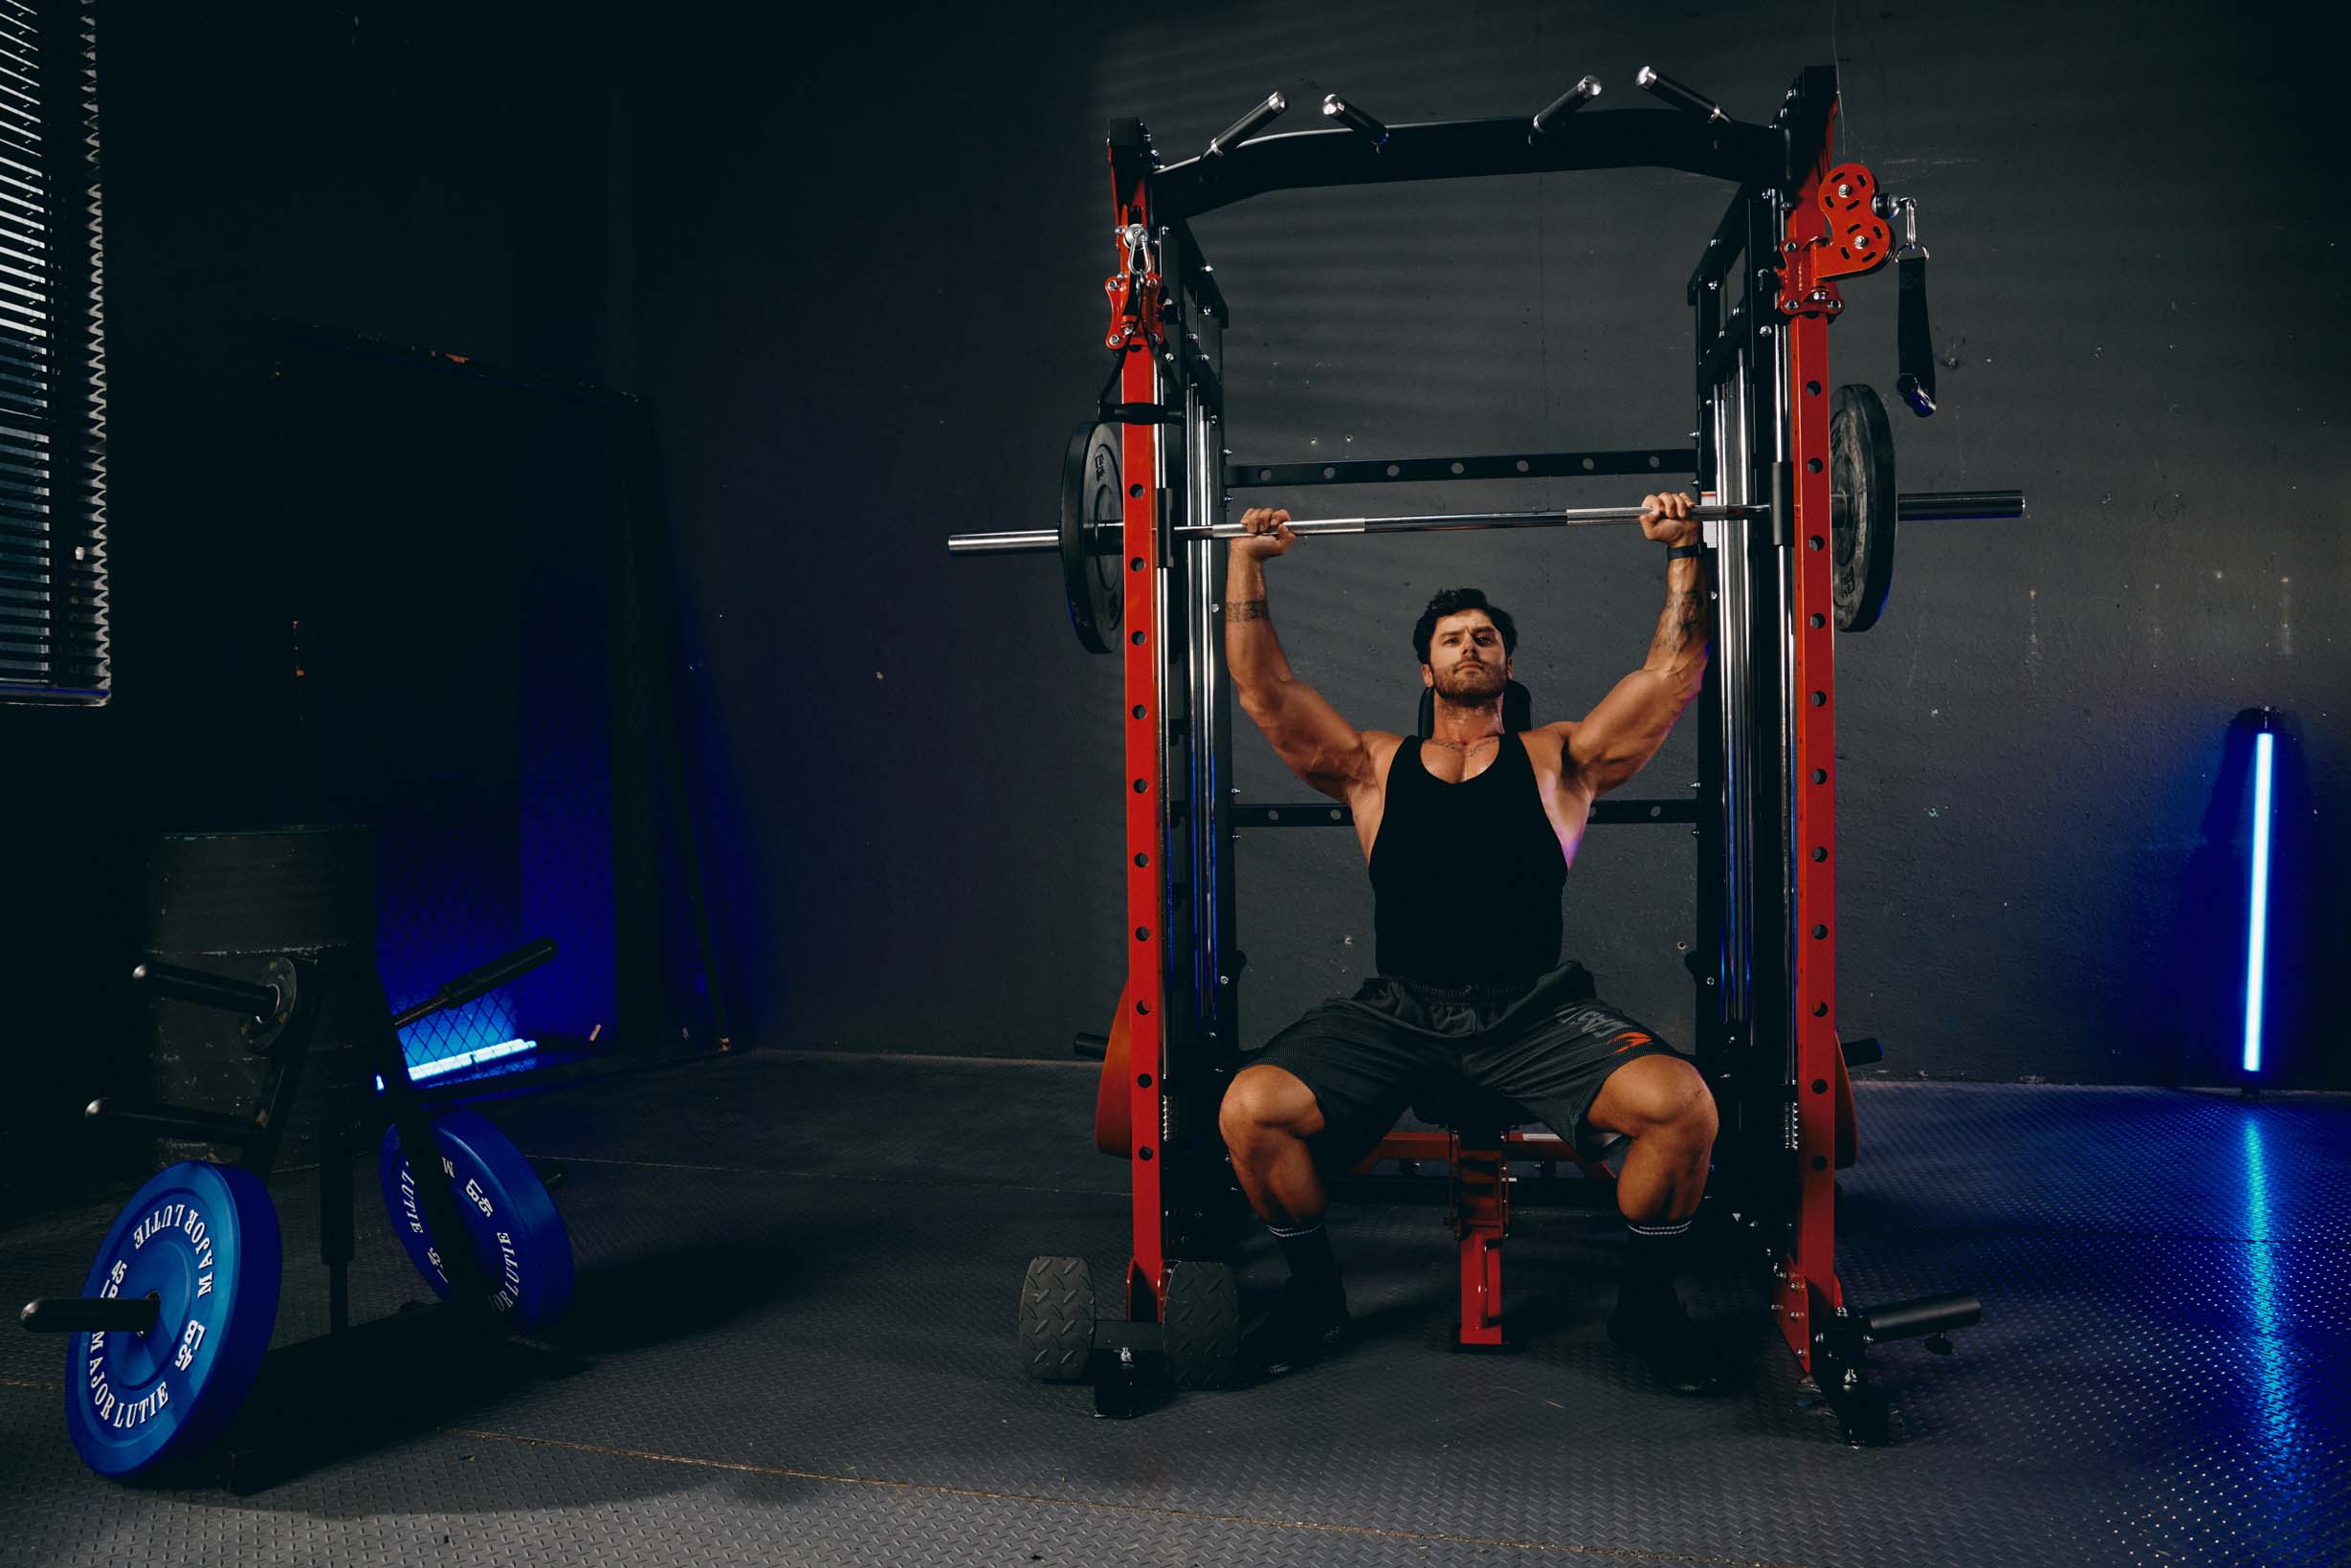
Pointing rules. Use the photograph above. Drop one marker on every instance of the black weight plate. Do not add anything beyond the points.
(1862, 505)
(203, 1240)
(1093, 501)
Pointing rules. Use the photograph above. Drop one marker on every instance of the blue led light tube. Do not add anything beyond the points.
(2257, 933)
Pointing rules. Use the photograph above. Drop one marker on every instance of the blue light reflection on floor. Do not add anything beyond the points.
(2276, 1425)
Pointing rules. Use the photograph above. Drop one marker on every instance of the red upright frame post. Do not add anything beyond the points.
(1136, 330)
(1833, 231)
(1812, 1284)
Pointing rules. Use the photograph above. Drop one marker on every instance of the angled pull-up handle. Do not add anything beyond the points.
(1354, 118)
(1247, 126)
(1565, 104)
(1662, 86)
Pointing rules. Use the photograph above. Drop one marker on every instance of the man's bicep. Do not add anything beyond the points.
(1311, 738)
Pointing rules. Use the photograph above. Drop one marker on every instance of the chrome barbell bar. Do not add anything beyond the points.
(1946, 506)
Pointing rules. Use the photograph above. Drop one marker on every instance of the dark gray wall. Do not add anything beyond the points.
(870, 271)
(425, 177)
(865, 291)
(866, 300)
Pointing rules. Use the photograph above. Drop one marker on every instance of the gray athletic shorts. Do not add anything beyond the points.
(1547, 1046)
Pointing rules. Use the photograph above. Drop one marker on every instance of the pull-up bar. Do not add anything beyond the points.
(1362, 149)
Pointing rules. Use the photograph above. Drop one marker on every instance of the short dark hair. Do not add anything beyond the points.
(1453, 601)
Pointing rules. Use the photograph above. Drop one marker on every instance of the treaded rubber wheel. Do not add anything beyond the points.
(1056, 1319)
(1200, 1322)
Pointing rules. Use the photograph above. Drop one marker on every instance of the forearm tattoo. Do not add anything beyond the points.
(1245, 610)
(1679, 627)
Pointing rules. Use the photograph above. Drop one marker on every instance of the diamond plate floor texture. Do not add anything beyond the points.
(792, 1343)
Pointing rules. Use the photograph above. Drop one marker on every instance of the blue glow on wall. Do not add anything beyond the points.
(479, 1025)
(458, 692)
(2258, 935)
(449, 901)
(466, 1058)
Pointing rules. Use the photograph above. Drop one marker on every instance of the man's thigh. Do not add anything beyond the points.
(1363, 1068)
(1555, 1065)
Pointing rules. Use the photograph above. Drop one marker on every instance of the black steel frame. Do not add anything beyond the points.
(1746, 959)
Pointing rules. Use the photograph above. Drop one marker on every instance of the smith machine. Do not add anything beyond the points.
(1801, 513)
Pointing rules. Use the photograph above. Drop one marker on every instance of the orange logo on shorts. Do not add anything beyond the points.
(1631, 1039)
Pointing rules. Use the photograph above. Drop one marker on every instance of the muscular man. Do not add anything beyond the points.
(1468, 836)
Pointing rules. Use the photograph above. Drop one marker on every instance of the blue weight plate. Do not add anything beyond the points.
(519, 1239)
(204, 1239)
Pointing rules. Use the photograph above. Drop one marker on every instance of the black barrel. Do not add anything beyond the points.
(230, 902)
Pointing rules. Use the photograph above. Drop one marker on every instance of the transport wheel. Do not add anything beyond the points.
(1200, 1321)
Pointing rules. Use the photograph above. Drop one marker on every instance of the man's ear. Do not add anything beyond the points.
(1425, 677)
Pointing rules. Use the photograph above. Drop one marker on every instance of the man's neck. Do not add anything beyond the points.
(1464, 727)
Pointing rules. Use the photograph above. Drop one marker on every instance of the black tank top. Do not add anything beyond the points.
(1487, 836)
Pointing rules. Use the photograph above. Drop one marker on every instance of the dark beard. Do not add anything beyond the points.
(1469, 688)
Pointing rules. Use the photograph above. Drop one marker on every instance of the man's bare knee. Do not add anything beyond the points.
(1268, 1100)
(1700, 1121)
(1657, 1095)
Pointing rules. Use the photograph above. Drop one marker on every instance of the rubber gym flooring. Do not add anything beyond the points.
(793, 1343)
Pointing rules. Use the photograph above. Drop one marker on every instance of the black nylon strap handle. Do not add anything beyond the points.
(1917, 383)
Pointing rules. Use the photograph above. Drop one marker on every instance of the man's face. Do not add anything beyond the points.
(1466, 662)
